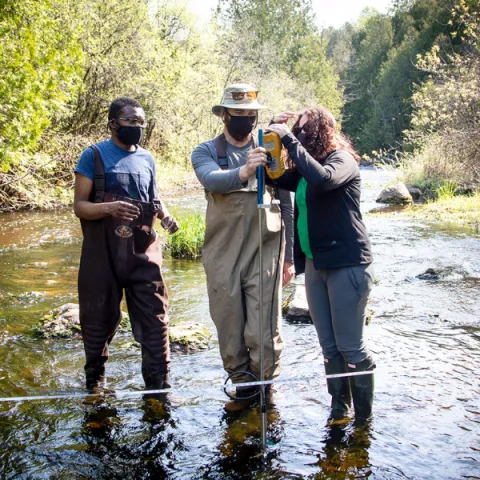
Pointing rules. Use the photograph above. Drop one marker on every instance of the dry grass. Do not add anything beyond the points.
(461, 210)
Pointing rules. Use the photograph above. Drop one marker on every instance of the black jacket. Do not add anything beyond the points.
(337, 234)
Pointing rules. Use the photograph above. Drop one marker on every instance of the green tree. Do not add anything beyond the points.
(315, 69)
(426, 20)
(286, 23)
(272, 41)
(371, 42)
(446, 115)
(382, 75)
(340, 50)
(40, 63)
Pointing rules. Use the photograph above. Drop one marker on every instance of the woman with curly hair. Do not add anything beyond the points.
(332, 247)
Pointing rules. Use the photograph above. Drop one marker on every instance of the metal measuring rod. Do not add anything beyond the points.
(261, 207)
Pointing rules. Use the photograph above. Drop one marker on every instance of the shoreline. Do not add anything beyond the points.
(174, 181)
(461, 211)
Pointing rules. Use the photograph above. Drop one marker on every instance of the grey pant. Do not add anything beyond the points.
(337, 299)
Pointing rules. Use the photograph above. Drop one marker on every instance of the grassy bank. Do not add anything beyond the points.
(461, 210)
(187, 242)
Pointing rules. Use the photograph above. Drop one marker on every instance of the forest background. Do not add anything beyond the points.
(404, 83)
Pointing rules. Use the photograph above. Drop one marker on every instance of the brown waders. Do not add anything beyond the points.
(115, 256)
(231, 260)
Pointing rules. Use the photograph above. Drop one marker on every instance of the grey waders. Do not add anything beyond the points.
(231, 260)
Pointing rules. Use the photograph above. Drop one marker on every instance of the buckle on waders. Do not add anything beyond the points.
(156, 205)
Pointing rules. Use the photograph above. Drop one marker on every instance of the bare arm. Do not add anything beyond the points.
(87, 210)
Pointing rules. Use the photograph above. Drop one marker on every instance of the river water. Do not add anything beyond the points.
(425, 336)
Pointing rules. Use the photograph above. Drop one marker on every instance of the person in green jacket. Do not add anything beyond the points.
(332, 247)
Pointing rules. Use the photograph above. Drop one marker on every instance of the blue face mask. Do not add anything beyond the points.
(129, 135)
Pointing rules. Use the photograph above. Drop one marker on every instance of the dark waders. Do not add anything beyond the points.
(119, 256)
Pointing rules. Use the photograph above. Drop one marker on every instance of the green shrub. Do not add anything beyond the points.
(187, 242)
(446, 191)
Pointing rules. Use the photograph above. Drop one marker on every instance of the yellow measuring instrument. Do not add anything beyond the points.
(276, 163)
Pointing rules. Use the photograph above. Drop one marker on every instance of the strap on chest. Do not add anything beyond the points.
(98, 193)
(220, 144)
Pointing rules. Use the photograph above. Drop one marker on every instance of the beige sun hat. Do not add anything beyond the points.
(241, 96)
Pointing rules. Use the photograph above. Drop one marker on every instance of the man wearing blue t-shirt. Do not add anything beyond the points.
(115, 200)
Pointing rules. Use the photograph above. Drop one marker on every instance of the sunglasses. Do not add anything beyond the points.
(242, 95)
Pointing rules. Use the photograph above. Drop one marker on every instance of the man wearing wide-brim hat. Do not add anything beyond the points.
(226, 167)
(238, 96)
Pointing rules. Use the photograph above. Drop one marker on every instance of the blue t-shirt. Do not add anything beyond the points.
(127, 174)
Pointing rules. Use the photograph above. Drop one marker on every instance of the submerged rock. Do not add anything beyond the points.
(445, 273)
(189, 338)
(61, 322)
(26, 297)
(429, 274)
(369, 314)
(64, 322)
(397, 194)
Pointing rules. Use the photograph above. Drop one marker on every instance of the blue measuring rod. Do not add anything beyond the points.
(260, 173)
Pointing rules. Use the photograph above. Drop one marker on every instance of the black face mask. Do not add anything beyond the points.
(296, 130)
(129, 135)
(300, 135)
(240, 127)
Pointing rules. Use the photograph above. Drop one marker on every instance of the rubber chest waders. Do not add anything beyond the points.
(231, 259)
(120, 255)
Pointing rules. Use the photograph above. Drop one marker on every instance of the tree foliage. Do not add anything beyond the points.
(371, 43)
(278, 40)
(40, 66)
(445, 127)
(406, 79)
(381, 75)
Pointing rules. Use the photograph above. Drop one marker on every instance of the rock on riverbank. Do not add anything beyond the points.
(397, 194)
(295, 306)
(64, 322)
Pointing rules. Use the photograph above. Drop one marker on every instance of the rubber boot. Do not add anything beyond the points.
(94, 378)
(362, 389)
(338, 388)
(245, 396)
(158, 381)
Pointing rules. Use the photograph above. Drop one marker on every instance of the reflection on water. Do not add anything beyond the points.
(425, 336)
(345, 453)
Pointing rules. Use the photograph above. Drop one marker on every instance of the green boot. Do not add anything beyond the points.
(338, 388)
(362, 389)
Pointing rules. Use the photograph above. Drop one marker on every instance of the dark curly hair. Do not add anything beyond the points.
(321, 135)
